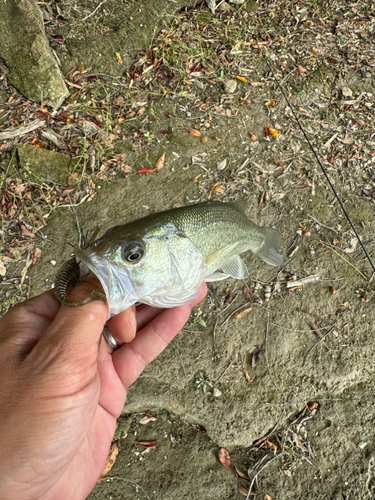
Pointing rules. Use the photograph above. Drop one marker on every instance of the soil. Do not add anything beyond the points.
(310, 398)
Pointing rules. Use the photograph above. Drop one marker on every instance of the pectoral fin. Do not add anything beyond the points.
(215, 258)
(217, 276)
(236, 268)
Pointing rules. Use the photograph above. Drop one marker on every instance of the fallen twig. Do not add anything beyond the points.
(303, 281)
(316, 330)
(343, 258)
(21, 130)
(259, 471)
(316, 343)
(94, 11)
(320, 224)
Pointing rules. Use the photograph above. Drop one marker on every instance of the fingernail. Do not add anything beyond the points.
(133, 321)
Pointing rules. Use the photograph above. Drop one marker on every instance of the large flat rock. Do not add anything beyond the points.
(24, 47)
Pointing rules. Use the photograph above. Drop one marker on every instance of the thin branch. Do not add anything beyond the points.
(94, 11)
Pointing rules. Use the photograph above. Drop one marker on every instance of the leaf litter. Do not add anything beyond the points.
(338, 119)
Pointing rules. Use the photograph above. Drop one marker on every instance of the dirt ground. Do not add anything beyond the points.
(296, 416)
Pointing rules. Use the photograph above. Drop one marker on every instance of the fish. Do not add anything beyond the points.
(162, 259)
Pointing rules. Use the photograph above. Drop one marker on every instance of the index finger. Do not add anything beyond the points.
(132, 358)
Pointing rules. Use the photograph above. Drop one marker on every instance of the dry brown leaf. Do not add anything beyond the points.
(193, 132)
(160, 163)
(240, 474)
(347, 140)
(302, 69)
(245, 491)
(120, 157)
(3, 269)
(253, 137)
(298, 443)
(26, 232)
(274, 132)
(92, 195)
(240, 78)
(224, 458)
(141, 111)
(278, 162)
(288, 473)
(243, 312)
(20, 189)
(35, 254)
(71, 84)
(267, 497)
(126, 169)
(111, 459)
(255, 356)
(246, 293)
(271, 446)
(303, 111)
(146, 419)
(247, 375)
(12, 97)
(313, 406)
(217, 189)
(257, 84)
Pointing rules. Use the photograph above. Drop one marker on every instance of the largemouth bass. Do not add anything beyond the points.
(162, 259)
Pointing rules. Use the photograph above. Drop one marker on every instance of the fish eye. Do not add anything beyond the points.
(132, 252)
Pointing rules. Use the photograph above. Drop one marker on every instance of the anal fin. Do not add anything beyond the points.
(236, 268)
(216, 276)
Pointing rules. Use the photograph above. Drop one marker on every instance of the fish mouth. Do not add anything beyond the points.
(116, 283)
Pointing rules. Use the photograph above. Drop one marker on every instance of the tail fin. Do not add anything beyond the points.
(269, 251)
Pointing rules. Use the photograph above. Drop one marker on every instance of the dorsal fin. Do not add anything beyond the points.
(240, 206)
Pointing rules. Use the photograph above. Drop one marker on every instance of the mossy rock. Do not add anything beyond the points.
(41, 165)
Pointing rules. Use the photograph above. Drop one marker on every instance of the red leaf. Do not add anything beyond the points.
(267, 130)
(147, 444)
(145, 170)
(224, 458)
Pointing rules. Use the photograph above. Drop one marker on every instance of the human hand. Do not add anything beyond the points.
(60, 396)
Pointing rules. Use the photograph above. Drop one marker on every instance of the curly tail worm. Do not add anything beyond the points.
(66, 278)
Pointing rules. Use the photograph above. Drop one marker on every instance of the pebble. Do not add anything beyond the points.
(222, 164)
(216, 392)
(346, 92)
(199, 85)
(230, 86)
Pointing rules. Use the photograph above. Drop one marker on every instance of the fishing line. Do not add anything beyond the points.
(319, 162)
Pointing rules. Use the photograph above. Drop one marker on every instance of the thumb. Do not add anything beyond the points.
(74, 334)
